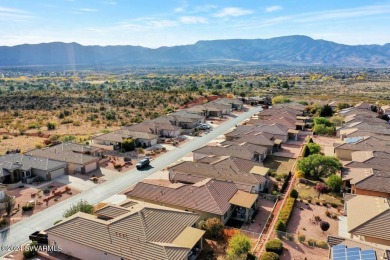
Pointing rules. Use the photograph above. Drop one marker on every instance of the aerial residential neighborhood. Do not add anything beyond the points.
(194, 130)
(250, 176)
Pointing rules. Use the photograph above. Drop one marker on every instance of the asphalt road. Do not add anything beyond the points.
(18, 233)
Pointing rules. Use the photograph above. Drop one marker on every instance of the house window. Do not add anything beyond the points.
(26, 174)
(225, 216)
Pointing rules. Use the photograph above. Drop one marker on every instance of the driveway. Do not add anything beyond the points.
(18, 234)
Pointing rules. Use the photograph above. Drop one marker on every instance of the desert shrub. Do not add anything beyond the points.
(76, 123)
(33, 126)
(28, 207)
(51, 125)
(322, 244)
(269, 256)
(302, 238)
(80, 206)
(294, 194)
(324, 130)
(213, 227)
(3, 222)
(274, 245)
(311, 242)
(285, 183)
(30, 250)
(280, 100)
(57, 221)
(66, 121)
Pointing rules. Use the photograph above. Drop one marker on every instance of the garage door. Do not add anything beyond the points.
(90, 167)
(57, 173)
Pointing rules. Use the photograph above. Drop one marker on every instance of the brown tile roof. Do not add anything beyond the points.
(289, 122)
(356, 175)
(64, 153)
(119, 135)
(374, 221)
(142, 233)
(230, 150)
(209, 195)
(263, 139)
(224, 170)
(374, 162)
(243, 199)
(367, 144)
(111, 211)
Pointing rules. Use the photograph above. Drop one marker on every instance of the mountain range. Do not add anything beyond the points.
(289, 50)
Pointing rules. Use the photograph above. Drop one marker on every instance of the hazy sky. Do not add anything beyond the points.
(169, 22)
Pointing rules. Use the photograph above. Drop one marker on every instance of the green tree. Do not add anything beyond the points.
(213, 227)
(239, 246)
(317, 165)
(80, 206)
(269, 256)
(274, 245)
(314, 148)
(335, 182)
(322, 121)
(294, 194)
(128, 145)
(326, 111)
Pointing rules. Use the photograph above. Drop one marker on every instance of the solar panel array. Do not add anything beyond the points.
(341, 252)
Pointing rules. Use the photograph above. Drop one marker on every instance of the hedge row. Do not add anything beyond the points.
(285, 212)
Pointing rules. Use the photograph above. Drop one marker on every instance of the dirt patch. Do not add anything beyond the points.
(280, 165)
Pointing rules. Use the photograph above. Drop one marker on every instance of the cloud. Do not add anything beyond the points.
(13, 14)
(110, 2)
(179, 10)
(204, 8)
(232, 12)
(88, 10)
(273, 8)
(193, 20)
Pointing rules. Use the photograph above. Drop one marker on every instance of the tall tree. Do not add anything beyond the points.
(317, 165)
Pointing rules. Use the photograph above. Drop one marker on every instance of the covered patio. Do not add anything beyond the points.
(191, 238)
(292, 134)
(244, 206)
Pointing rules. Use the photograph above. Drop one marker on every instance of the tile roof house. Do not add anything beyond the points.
(209, 198)
(367, 181)
(372, 226)
(370, 159)
(247, 175)
(79, 158)
(114, 140)
(345, 150)
(159, 126)
(243, 150)
(278, 131)
(15, 168)
(141, 231)
(264, 139)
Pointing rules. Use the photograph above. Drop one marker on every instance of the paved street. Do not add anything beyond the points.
(18, 233)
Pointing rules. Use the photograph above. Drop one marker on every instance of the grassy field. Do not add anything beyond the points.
(280, 165)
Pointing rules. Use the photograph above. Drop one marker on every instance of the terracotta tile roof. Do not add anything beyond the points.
(374, 221)
(264, 139)
(119, 135)
(142, 233)
(240, 164)
(228, 150)
(224, 170)
(26, 162)
(209, 195)
(64, 153)
(367, 144)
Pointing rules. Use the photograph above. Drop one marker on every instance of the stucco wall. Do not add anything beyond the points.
(344, 154)
(377, 241)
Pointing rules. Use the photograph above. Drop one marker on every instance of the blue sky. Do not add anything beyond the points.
(176, 22)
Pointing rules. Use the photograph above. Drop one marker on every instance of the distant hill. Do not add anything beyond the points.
(299, 50)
